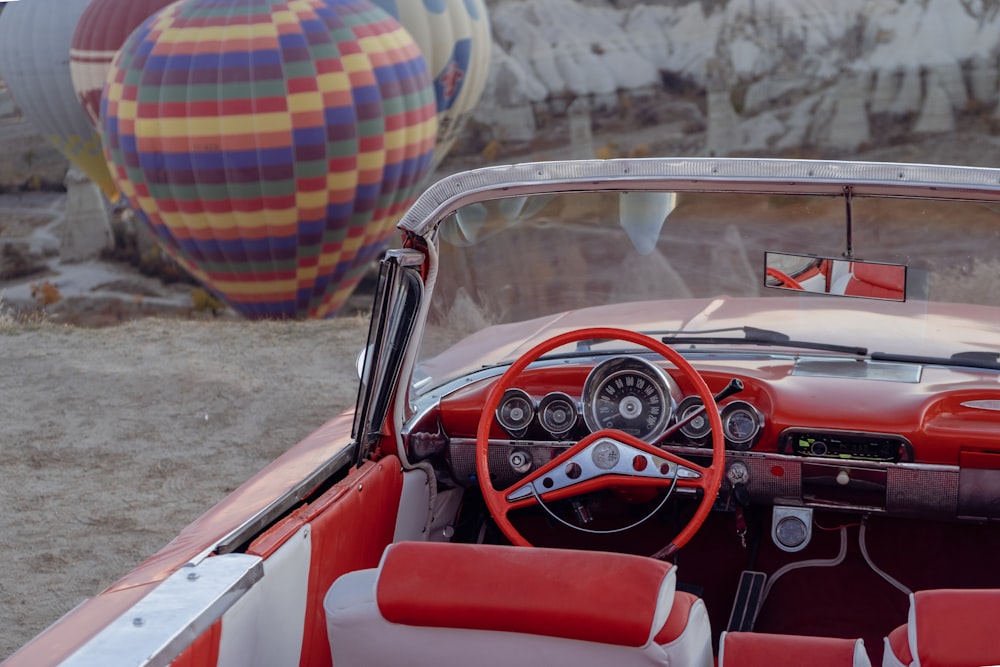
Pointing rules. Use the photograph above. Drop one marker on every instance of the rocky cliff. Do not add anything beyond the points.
(752, 76)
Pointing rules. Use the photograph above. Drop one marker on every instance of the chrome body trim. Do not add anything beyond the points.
(985, 404)
(160, 626)
(268, 515)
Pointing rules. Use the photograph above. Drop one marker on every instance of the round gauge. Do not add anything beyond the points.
(606, 455)
(515, 412)
(741, 423)
(698, 428)
(629, 394)
(791, 532)
(557, 413)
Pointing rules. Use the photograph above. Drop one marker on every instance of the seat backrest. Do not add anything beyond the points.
(756, 649)
(442, 604)
(948, 627)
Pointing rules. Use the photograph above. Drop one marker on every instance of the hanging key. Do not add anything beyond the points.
(741, 525)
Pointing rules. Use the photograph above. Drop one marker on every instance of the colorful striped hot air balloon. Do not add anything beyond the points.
(102, 29)
(34, 62)
(271, 144)
(455, 38)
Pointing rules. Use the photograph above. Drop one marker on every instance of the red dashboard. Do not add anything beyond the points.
(857, 435)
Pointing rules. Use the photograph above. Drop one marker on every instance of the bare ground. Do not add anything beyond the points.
(113, 439)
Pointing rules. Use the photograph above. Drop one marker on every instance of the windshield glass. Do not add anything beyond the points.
(515, 271)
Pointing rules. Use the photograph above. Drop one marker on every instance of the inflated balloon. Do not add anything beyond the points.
(271, 144)
(455, 38)
(102, 29)
(35, 40)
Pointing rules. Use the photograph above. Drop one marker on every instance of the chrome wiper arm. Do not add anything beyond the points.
(753, 336)
(986, 360)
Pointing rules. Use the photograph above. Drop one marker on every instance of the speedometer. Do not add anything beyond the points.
(629, 394)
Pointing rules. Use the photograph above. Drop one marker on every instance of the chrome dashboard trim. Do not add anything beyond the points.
(910, 488)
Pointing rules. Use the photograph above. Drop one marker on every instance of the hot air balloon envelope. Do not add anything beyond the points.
(270, 144)
(454, 36)
(102, 29)
(35, 41)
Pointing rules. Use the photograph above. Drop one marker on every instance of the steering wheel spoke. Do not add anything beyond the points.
(605, 459)
(603, 455)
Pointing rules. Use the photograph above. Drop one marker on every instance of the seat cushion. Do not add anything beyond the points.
(595, 596)
(897, 648)
(948, 627)
(441, 604)
(756, 649)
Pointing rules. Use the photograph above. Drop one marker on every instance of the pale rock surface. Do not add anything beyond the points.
(849, 126)
(86, 230)
(908, 98)
(937, 114)
(573, 48)
(983, 80)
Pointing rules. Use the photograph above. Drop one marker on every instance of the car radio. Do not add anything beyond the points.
(845, 445)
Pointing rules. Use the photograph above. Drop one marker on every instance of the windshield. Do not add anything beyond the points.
(687, 264)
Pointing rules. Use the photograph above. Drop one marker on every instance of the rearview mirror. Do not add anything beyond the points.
(828, 275)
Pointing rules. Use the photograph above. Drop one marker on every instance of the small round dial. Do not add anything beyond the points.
(698, 428)
(557, 413)
(515, 412)
(741, 424)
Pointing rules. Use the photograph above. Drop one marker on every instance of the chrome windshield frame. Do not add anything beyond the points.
(768, 176)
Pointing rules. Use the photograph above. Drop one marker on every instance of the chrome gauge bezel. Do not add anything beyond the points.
(665, 388)
(699, 429)
(568, 404)
(520, 426)
(734, 408)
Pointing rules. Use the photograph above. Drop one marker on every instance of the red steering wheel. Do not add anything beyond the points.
(783, 278)
(607, 458)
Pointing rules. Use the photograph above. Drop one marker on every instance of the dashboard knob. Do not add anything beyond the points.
(843, 477)
(520, 461)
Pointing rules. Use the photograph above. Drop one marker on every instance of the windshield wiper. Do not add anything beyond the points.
(752, 336)
(987, 360)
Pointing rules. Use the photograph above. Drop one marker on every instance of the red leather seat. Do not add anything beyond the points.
(459, 604)
(756, 649)
(947, 627)
(881, 281)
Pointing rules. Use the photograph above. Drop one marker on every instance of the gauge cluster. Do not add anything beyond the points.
(629, 394)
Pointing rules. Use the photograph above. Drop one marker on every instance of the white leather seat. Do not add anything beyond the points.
(458, 604)
(947, 627)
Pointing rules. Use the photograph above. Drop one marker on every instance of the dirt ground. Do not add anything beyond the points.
(113, 439)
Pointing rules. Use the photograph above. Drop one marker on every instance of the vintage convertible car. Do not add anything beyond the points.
(655, 411)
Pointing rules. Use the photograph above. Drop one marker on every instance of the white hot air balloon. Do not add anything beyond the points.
(454, 37)
(35, 37)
